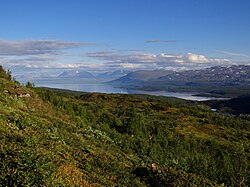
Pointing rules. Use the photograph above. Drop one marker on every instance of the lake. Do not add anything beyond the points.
(106, 88)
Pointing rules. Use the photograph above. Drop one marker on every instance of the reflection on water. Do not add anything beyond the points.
(105, 88)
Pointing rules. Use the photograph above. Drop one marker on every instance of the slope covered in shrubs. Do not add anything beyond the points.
(60, 138)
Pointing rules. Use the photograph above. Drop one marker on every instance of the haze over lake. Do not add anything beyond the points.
(106, 88)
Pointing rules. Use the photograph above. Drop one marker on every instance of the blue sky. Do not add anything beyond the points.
(134, 34)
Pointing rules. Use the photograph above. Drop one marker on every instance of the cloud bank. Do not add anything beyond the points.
(35, 47)
(153, 61)
(48, 54)
(35, 53)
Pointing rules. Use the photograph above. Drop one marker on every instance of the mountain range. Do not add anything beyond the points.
(76, 74)
(112, 74)
(67, 76)
(216, 80)
(141, 76)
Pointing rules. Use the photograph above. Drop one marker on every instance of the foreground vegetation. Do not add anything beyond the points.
(60, 138)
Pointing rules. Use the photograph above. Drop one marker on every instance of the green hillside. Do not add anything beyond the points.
(62, 138)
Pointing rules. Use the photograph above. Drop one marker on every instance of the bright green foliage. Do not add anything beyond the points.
(60, 138)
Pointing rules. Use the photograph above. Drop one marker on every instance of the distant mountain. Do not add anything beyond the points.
(76, 74)
(219, 76)
(230, 81)
(234, 80)
(113, 75)
(141, 76)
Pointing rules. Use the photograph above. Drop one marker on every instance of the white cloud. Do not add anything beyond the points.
(194, 58)
(132, 66)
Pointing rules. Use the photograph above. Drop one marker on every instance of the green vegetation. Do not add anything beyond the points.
(61, 138)
(236, 106)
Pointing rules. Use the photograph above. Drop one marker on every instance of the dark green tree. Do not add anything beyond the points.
(30, 85)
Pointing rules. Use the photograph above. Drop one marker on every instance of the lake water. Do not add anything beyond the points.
(105, 88)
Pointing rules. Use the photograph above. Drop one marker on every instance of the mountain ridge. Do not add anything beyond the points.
(76, 74)
(215, 80)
